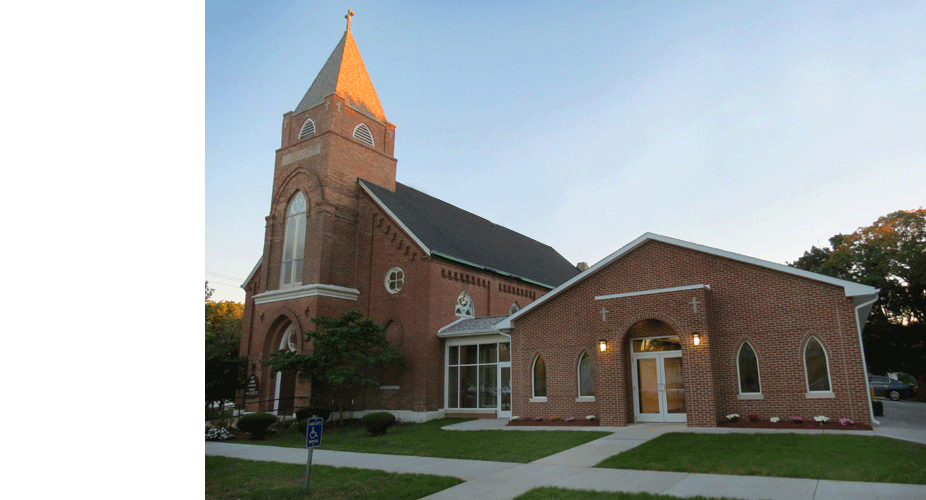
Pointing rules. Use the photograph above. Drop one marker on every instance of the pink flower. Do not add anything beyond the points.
(538, 418)
(570, 419)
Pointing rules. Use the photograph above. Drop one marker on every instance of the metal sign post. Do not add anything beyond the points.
(313, 439)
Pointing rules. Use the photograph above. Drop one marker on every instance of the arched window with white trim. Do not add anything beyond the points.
(464, 307)
(747, 368)
(816, 366)
(586, 376)
(294, 242)
(540, 378)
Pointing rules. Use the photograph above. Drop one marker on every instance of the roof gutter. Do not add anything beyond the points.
(503, 273)
(861, 314)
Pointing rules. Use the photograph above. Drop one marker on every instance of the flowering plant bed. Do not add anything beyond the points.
(786, 423)
(554, 423)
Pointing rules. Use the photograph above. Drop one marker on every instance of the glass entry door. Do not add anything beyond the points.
(658, 387)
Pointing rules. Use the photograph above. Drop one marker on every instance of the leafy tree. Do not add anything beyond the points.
(225, 370)
(347, 354)
(889, 255)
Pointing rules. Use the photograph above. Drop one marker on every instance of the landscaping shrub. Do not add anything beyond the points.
(378, 422)
(308, 411)
(256, 424)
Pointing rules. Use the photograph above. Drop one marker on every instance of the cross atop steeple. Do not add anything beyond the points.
(349, 15)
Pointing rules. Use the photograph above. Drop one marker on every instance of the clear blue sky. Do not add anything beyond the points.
(761, 128)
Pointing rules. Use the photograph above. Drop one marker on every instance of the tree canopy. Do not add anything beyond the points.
(889, 255)
(225, 370)
(348, 354)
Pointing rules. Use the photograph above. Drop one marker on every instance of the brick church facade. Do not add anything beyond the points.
(495, 324)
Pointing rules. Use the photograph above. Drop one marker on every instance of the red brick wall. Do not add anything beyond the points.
(775, 311)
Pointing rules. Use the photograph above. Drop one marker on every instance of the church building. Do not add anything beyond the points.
(495, 324)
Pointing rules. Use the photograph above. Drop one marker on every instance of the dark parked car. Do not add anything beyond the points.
(889, 388)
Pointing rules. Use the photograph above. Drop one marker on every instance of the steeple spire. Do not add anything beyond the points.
(344, 74)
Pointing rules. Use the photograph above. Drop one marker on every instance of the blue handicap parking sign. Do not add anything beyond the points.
(313, 432)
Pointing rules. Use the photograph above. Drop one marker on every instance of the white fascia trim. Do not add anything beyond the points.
(650, 292)
(315, 289)
(251, 275)
(395, 219)
(469, 334)
(851, 289)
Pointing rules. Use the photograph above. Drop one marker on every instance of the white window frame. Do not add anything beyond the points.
(739, 375)
(400, 282)
(826, 359)
(534, 397)
(465, 311)
(299, 221)
(580, 398)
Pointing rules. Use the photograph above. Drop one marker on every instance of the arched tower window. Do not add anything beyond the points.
(308, 128)
(464, 306)
(294, 242)
(816, 366)
(586, 376)
(362, 133)
(747, 365)
(540, 378)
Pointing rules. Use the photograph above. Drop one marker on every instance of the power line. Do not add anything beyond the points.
(234, 278)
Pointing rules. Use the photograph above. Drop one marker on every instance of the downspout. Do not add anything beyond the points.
(860, 323)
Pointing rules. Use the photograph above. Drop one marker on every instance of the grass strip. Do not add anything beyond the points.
(820, 456)
(429, 440)
(550, 493)
(234, 479)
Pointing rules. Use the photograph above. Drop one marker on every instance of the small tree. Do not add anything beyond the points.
(226, 371)
(347, 354)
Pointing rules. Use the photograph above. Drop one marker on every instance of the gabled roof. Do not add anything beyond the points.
(344, 74)
(854, 290)
(470, 326)
(444, 230)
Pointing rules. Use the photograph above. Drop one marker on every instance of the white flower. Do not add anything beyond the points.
(512, 419)
(217, 434)
(774, 419)
(590, 417)
(733, 417)
(821, 418)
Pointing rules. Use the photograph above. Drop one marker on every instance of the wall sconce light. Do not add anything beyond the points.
(697, 339)
(602, 345)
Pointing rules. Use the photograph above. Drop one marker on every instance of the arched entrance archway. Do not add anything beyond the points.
(284, 400)
(656, 372)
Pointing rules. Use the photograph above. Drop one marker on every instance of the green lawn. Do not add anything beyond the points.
(821, 456)
(550, 493)
(234, 479)
(428, 440)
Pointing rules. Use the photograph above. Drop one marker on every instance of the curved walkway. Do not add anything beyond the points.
(573, 468)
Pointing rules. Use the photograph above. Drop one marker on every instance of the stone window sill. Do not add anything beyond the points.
(751, 396)
(585, 399)
(542, 399)
(820, 395)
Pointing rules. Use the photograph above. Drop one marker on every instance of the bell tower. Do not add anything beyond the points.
(337, 134)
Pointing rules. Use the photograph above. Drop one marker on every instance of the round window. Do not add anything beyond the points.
(395, 279)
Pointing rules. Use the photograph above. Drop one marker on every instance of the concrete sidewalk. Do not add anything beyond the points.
(573, 469)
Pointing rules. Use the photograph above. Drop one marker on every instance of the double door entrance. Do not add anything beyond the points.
(658, 384)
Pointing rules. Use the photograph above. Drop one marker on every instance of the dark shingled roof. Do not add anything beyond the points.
(456, 234)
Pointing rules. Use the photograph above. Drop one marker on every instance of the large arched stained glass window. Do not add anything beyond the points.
(294, 242)
(586, 376)
(747, 364)
(540, 378)
(818, 375)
